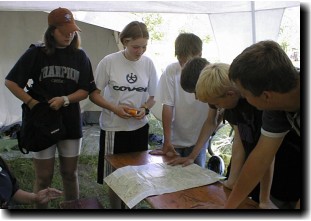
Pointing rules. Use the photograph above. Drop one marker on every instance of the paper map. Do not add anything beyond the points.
(134, 183)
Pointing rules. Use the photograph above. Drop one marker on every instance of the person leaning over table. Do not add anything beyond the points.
(216, 76)
(269, 81)
(63, 70)
(182, 115)
(126, 82)
(275, 82)
(247, 121)
(188, 79)
(10, 190)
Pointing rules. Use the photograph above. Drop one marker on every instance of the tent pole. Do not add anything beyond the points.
(253, 22)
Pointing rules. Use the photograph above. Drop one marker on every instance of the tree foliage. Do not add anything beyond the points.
(153, 21)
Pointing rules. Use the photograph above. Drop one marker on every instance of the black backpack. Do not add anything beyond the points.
(41, 128)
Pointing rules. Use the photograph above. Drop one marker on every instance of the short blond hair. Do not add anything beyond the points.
(213, 81)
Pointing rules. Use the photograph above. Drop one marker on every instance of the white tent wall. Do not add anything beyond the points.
(233, 31)
(19, 30)
(236, 25)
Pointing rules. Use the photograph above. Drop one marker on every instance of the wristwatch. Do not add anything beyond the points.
(146, 109)
(66, 101)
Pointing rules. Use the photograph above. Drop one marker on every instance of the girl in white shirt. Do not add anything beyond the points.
(126, 82)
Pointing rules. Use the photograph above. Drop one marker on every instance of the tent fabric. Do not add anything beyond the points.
(235, 24)
(187, 7)
(235, 37)
(25, 28)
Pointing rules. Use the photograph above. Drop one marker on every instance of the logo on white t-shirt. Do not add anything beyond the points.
(131, 78)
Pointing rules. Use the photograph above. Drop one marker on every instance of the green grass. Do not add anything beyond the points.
(8, 145)
(24, 171)
(221, 144)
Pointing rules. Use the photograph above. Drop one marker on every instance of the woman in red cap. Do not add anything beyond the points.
(61, 69)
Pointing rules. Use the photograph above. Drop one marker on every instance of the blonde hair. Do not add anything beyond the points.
(213, 81)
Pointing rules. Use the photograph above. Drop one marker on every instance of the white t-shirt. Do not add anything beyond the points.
(189, 114)
(124, 82)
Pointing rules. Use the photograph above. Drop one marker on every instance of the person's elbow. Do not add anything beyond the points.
(84, 95)
(94, 95)
(9, 84)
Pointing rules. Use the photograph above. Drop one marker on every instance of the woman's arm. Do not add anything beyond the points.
(120, 110)
(99, 100)
(57, 102)
(150, 102)
(20, 93)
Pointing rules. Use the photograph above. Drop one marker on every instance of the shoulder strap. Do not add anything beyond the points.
(37, 88)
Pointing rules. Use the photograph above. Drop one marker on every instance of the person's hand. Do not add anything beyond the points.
(207, 205)
(157, 152)
(167, 150)
(185, 161)
(267, 205)
(56, 103)
(44, 196)
(170, 153)
(122, 111)
(141, 113)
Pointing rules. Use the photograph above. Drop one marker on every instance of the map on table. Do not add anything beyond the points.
(134, 183)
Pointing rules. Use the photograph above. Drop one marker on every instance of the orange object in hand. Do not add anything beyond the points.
(132, 112)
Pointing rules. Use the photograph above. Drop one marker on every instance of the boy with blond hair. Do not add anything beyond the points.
(268, 80)
(215, 88)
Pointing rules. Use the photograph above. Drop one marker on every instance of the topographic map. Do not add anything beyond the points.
(134, 183)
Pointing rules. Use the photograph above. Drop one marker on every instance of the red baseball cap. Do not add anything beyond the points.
(62, 19)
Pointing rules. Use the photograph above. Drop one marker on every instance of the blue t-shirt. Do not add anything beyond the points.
(59, 74)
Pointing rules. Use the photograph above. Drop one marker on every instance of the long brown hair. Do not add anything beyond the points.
(50, 42)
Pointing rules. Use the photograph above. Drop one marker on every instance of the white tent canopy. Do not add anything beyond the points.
(187, 7)
(235, 25)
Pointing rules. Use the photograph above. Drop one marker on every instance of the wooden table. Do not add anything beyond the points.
(215, 193)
